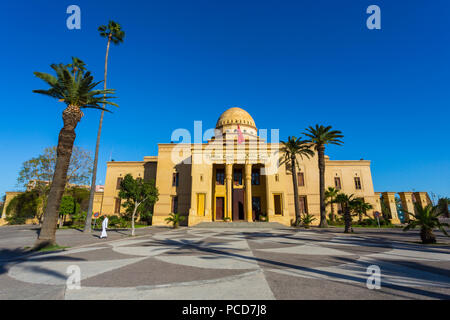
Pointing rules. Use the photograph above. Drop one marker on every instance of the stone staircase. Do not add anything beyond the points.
(243, 225)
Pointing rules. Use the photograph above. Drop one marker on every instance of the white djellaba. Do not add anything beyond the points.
(104, 227)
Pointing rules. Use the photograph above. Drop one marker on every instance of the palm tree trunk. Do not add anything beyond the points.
(427, 236)
(323, 215)
(332, 209)
(71, 116)
(347, 220)
(296, 199)
(87, 225)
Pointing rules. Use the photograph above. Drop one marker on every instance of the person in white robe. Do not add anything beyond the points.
(104, 227)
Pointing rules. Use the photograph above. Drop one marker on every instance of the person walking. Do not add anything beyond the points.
(104, 227)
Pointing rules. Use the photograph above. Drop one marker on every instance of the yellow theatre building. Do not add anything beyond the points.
(236, 176)
(229, 179)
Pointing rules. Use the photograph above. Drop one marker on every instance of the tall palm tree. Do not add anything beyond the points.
(331, 194)
(427, 218)
(291, 149)
(114, 33)
(76, 90)
(320, 136)
(77, 64)
(346, 202)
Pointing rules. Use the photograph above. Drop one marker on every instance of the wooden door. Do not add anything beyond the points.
(219, 208)
(238, 204)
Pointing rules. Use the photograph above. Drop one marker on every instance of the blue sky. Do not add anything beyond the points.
(290, 64)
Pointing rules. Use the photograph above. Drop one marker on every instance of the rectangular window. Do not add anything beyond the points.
(255, 177)
(117, 205)
(175, 179)
(357, 183)
(237, 177)
(300, 179)
(200, 204)
(174, 204)
(303, 204)
(119, 181)
(220, 177)
(278, 205)
(337, 183)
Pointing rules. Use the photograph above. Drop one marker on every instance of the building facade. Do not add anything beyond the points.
(236, 176)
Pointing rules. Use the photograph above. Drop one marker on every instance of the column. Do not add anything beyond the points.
(229, 181)
(269, 200)
(422, 199)
(248, 192)
(389, 200)
(407, 204)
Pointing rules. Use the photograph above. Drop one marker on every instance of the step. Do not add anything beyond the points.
(269, 225)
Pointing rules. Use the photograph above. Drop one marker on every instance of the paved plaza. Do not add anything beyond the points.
(226, 263)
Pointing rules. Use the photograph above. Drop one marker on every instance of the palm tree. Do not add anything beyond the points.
(114, 33)
(428, 219)
(290, 150)
(346, 204)
(77, 64)
(76, 90)
(320, 136)
(360, 207)
(331, 194)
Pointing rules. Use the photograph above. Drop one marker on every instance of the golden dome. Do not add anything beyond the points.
(235, 116)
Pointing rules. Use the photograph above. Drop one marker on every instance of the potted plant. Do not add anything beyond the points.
(263, 218)
(227, 219)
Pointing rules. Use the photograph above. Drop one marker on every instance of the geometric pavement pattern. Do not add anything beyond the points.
(197, 263)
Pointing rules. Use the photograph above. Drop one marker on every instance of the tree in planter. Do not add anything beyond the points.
(291, 150)
(330, 195)
(427, 218)
(136, 192)
(320, 136)
(346, 202)
(114, 33)
(66, 207)
(77, 92)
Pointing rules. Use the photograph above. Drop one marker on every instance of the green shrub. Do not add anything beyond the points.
(22, 207)
(78, 219)
(307, 219)
(113, 221)
(175, 219)
(146, 217)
